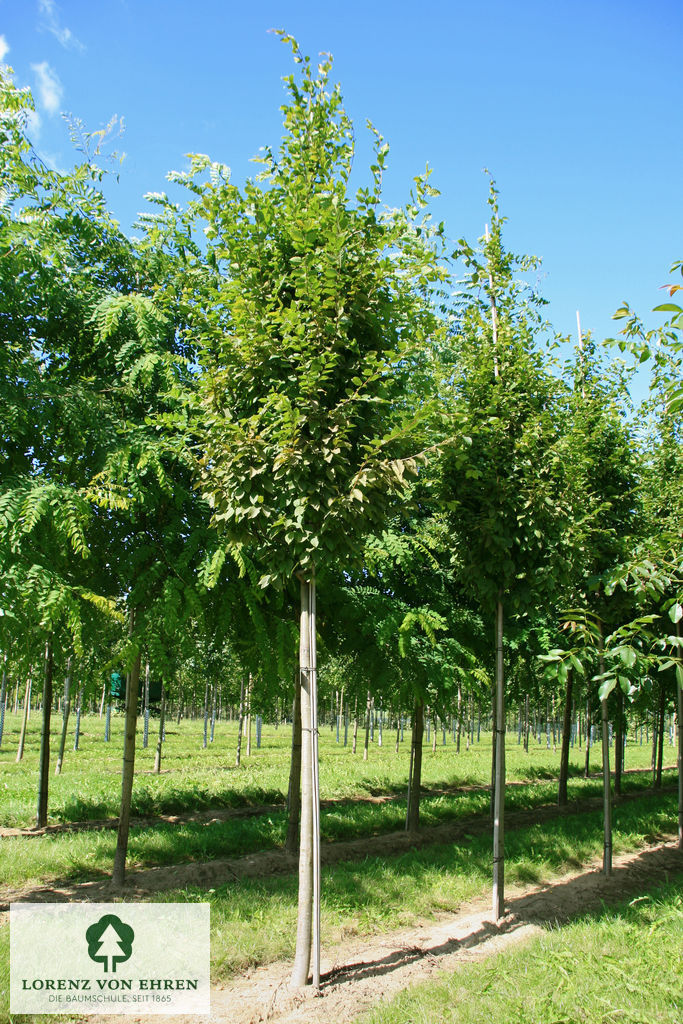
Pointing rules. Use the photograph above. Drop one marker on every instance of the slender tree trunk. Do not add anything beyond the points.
(214, 696)
(249, 692)
(368, 712)
(526, 723)
(499, 803)
(415, 775)
(145, 727)
(24, 720)
(457, 749)
(566, 733)
(65, 716)
(3, 695)
(132, 692)
(41, 816)
(240, 720)
(660, 735)
(160, 737)
(308, 918)
(355, 726)
(618, 742)
(294, 794)
(494, 741)
(340, 714)
(104, 694)
(79, 708)
(606, 781)
(206, 716)
(410, 769)
(589, 726)
(470, 723)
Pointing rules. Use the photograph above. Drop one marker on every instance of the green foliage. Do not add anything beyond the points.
(305, 312)
(502, 490)
(662, 345)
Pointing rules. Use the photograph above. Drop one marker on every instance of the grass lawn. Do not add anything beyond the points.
(195, 779)
(622, 966)
(253, 921)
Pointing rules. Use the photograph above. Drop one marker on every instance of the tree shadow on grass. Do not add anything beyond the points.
(588, 895)
(207, 856)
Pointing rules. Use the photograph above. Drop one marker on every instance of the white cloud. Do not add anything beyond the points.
(51, 22)
(4, 48)
(49, 86)
(33, 125)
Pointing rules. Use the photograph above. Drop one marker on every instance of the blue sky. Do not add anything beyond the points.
(573, 106)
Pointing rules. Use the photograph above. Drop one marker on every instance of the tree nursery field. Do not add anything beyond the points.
(336, 591)
(203, 817)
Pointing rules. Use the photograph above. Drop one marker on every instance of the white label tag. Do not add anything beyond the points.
(135, 958)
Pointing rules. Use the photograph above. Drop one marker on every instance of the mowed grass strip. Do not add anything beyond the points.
(73, 856)
(195, 779)
(622, 966)
(254, 921)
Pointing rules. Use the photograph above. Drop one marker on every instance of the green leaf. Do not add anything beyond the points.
(577, 664)
(676, 612)
(627, 655)
(606, 687)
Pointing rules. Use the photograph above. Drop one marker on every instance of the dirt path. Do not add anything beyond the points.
(360, 974)
(217, 872)
(255, 810)
(213, 873)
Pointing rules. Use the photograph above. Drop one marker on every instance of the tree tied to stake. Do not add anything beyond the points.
(308, 309)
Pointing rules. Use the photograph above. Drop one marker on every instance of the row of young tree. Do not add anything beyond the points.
(281, 389)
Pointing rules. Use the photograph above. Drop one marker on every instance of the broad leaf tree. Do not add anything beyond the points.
(306, 311)
(501, 490)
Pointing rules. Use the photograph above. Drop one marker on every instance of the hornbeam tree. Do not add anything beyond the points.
(660, 557)
(501, 491)
(306, 312)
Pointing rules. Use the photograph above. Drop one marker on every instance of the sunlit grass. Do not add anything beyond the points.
(195, 779)
(76, 855)
(253, 920)
(620, 966)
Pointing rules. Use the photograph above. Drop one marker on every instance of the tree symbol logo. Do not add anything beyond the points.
(110, 941)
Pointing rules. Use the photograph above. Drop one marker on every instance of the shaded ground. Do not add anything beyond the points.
(359, 974)
(256, 810)
(211, 874)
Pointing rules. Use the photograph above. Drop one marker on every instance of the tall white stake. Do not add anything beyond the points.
(315, 784)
